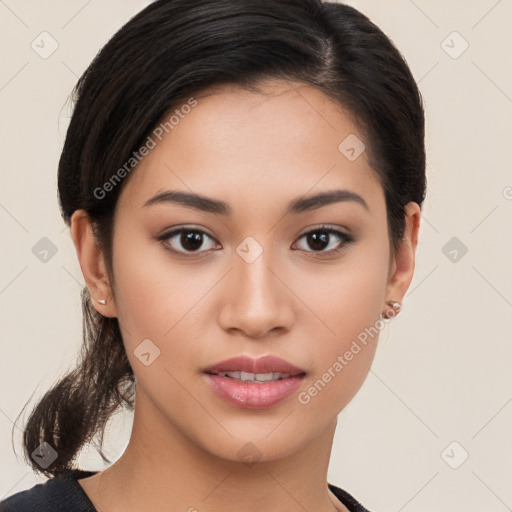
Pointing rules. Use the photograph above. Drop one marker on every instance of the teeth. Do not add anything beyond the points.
(255, 377)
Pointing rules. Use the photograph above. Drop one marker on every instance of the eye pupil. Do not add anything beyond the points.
(191, 240)
(318, 240)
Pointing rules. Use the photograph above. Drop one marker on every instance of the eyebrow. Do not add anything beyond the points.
(299, 205)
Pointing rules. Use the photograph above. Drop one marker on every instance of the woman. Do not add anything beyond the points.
(243, 182)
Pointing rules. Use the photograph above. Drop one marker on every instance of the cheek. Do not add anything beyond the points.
(145, 289)
(159, 300)
(152, 299)
(348, 296)
(347, 302)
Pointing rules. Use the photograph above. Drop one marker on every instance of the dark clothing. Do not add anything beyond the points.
(64, 494)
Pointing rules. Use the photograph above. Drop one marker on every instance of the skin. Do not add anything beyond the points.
(256, 152)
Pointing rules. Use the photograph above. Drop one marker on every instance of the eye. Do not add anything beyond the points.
(190, 239)
(323, 237)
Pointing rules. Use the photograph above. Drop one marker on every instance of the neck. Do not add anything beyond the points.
(162, 466)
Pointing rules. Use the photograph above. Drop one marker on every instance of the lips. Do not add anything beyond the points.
(262, 365)
(254, 383)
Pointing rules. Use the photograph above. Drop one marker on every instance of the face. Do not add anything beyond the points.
(253, 279)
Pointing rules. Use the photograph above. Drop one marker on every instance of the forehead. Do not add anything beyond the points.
(282, 142)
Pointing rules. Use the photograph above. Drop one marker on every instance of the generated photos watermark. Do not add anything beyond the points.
(152, 140)
(341, 361)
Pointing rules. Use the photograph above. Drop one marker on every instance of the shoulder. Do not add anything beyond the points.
(61, 493)
(347, 499)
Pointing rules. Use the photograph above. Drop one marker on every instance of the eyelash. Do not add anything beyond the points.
(345, 240)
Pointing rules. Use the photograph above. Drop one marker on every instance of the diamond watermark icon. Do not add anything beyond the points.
(44, 45)
(249, 250)
(44, 250)
(146, 352)
(352, 147)
(249, 454)
(44, 455)
(454, 455)
(454, 249)
(454, 45)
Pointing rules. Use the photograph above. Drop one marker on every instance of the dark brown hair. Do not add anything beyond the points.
(163, 56)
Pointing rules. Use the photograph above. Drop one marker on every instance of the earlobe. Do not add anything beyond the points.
(404, 257)
(394, 308)
(92, 263)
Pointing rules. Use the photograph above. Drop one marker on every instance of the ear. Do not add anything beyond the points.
(92, 263)
(402, 263)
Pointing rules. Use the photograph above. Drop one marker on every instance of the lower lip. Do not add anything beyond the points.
(251, 395)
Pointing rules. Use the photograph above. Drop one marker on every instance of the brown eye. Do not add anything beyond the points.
(186, 240)
(323, 238)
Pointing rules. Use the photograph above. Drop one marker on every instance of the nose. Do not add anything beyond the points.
(256, 299)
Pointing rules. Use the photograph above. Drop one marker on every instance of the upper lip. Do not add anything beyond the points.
(265, 364)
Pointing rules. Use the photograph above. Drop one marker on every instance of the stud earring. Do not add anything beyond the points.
(101, 301)
(395, 309)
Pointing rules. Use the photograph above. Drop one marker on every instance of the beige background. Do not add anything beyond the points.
(443, 367)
